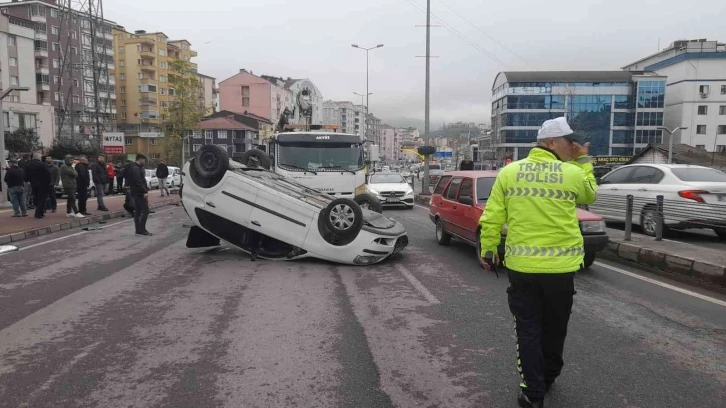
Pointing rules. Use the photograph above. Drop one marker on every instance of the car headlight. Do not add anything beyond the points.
(409, 191)
(589, 227)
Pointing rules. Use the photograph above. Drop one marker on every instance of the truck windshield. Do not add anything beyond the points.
(319, 156)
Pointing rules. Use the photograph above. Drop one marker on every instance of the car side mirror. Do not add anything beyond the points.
(466, 200)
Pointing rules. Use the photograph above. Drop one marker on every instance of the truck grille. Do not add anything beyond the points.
(393, 193)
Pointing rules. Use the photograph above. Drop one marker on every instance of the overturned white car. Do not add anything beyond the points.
(273, 217)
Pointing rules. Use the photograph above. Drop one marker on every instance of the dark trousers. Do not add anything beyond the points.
(53, 199)
(141, 213)
(109, 191)
(541, 305)
(119, 184)
(71, 207)
(39, 195)
(82, 199)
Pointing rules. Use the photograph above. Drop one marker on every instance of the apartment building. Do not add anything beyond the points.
(346, 115)
(17, 68)
(696, 90)
(66, 44)
(207, 91)
(143, 86)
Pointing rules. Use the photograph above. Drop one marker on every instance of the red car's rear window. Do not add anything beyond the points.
(443, 181)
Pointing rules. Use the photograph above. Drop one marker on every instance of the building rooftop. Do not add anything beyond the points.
(224, 123)
(685, 154)
(568, 76)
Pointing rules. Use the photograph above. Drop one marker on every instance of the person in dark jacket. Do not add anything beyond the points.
(54, 181)
(139, 190)
(27, 191)
(162, 172)
(69, 178)
(82, 184)
(15, 179)
(38, 175)
(119, 169)
(100, 180)
(466, 164)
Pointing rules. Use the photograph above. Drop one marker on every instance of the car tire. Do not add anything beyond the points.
(256, 158)
(211, 162)
(343, 217)
(589, 259)
(649, 221)
(442, 237)
(721, 232)
(369, 202)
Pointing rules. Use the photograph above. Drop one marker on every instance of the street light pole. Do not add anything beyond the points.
(3, 95)
(367, 77)
(670, 141)
(366, 112)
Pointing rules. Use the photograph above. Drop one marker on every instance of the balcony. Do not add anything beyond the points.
(149, 115)
(42, 69)
(41, 52)
(107, 35)
(110, 65)
(148, 101)
(41, 35)
(193, 53)
(147, 53)
(43, 100)
(148, 67)
(43, 86)
(146, 40)
(38, 18)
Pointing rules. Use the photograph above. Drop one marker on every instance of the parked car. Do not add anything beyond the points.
(693, 196)
(273, 217)
(174, 178)
(459, 200)
(390, 189)
(151, 180)
(59, 192)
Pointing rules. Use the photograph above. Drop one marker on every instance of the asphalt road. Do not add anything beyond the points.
(108, 319)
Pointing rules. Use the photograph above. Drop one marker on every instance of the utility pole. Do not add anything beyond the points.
(367, 50)
(428, 85)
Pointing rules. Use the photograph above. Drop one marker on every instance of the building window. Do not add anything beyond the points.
(703, 110)
(245, 96)
(162, 91)
(704, 89)
(55, 30)
(208, 134)
(155, 156)
(649, 119)
(56, 96)
(153, 142)
(76, 83)
(221, 134)
(76, 99)
(54, 13)
(120, 37)
(122, 76)
(723, 89)
(162, 52)
(74, 50)
(123, 102)
(123, 89)
(722, 110)
(127, 140)
(56, 47)
(12, 40)
(122, 63)
(721, 148)
(74, 35)
(197, 147)
(701, 129)
(123, 116)
(722, 129)
(121, 49)
(14, 80)
(56, 63)
(13, 62)
(197, 133)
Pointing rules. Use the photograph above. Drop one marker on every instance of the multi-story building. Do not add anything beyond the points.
(696, 90)
(207, 90)
(390, 146)
(143, 87)
(233, 136)
(74, 65)
(17, 57)
(620, 112)
(346, 115)
(271, 97)
(374, 129)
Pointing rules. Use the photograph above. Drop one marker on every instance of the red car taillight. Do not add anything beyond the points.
(694, 195)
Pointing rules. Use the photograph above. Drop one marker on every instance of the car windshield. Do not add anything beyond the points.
(484, 188)
(699, 174)
(320, 156)
(386, 178)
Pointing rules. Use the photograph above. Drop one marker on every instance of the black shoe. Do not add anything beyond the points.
(147, 233)
(40, 216)
(86, 214)
(524, 402)
(103, 209)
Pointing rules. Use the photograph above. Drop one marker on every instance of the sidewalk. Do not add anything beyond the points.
(676, 259)
(17, 229)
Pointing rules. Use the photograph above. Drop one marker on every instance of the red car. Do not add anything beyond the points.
(459, 200)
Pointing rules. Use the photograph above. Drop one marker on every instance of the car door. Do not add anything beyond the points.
(447, 204)
(465, 218)
(437, 196)
(643, 185)
(610, 202)
(281, 217)
(233, 200)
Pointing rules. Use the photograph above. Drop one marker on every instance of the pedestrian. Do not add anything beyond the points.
(111, 173)
(139, 190)
(69, 178)
(100, 180)
(54, 181)
(119, 169)
(544, 248)
(38, 175)
(27, 190)
(162, 172)
(15, 179)
(466, 164)
(83, 184)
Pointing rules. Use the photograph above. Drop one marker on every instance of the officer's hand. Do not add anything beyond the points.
(490, 263)
(580, 150)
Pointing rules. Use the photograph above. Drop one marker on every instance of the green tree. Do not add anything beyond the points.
(63, 147)
(23, 140)
(185, 110)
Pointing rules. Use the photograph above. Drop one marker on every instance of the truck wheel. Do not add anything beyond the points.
(256, 158)
(211, 162)
(369, 202)
(343, 217)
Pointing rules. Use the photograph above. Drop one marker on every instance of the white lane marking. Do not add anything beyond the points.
(418, 285)
(662, 284)
(77, 233)
(65, 370)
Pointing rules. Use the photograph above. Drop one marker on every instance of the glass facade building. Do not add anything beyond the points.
(619, 112)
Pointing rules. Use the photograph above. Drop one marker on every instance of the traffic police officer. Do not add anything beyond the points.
(536, 198)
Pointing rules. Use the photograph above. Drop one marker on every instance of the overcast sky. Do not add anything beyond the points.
(312, 39)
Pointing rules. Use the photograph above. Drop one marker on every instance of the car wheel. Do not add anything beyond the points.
(589, 259)
(721, 232)
(256, 158)
(343, 217)
(649, 221)
(211, 162)
(369, 202)
(442, 237)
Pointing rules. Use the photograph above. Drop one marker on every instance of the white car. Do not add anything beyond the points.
(174, 178)
(390, 189)
(693, 196)
(151, 180)
(273, 217)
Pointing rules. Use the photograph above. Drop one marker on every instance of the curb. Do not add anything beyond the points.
(37, 232)
(678, 266)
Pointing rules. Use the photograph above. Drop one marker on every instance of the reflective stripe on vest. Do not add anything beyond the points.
(540, 192)
(525, 250)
